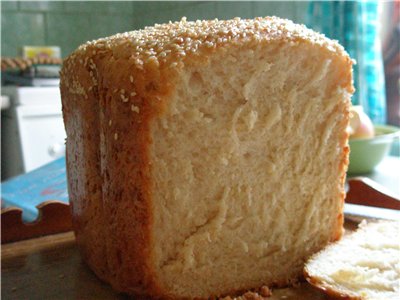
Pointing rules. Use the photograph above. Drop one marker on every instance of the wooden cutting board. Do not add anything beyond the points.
(50, 267)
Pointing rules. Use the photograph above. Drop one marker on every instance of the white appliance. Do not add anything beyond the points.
(32, 129)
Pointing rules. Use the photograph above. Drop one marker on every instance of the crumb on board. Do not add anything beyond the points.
(261, 294)
(265, 291)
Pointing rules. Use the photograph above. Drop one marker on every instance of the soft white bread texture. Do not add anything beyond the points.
(363, 265)
(206, 158)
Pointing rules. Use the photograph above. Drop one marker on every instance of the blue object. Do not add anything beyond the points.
(355, 25)
(29, 190)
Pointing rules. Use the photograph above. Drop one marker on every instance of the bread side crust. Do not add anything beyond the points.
(344, 142)
(122, 137)
(108, 71)
(84, 182)
(338, 231)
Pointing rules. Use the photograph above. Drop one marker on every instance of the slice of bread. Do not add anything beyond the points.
(363, 265)
(208, 157)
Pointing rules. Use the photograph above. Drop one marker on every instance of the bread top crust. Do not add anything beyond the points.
(163, 49)
(168, 44)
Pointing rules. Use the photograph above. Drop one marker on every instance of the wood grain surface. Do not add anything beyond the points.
(54, 217)
(50, 267)
(364, 191)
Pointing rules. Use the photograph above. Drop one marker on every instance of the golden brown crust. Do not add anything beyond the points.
(111, 90)
(85, 183)
(166, 48)
(343, 164)
(347, 83)
(100, 124)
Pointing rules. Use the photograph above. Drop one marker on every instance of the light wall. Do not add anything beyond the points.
(70, 23)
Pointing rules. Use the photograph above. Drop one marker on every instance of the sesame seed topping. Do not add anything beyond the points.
(168, 43)
(170, 46)
(115, 136)
(110, 122)
(135, 108)
(124, 99)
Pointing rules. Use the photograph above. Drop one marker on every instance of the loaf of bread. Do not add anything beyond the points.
(363, 265)
(206, 158)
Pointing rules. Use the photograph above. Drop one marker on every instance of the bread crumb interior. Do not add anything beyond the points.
(246, 167)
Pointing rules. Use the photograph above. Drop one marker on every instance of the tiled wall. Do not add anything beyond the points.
(69, 24)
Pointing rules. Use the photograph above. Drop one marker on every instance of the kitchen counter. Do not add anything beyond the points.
(387, 174)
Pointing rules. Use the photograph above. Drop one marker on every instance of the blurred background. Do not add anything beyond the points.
(32, 128)
(69, 24)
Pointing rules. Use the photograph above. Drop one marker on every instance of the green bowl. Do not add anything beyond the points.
(366, 154)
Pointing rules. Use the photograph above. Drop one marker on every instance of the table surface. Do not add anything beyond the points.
(387, 173)
(50, 267)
